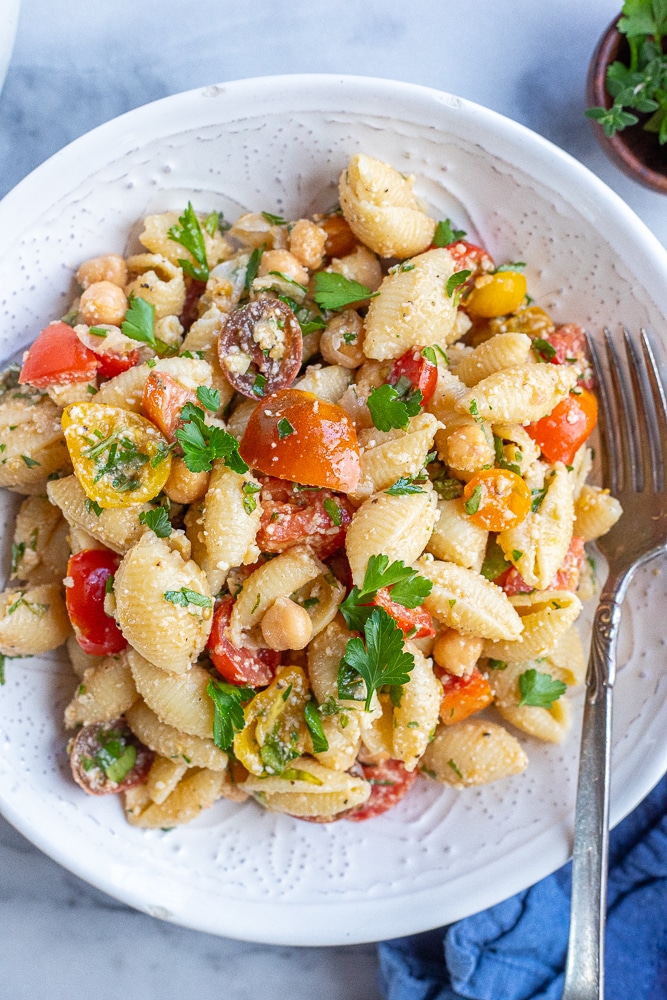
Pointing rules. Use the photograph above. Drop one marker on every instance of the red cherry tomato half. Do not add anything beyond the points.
(291, 515)
(420, 373)
(57, 357)
(390, 782)
(469, 257)
(563, 431)
(114, 364)
(96, 632)
(571, 347)
(260, 348)
(163, 400)
(407, 619)
(294, 435)
(238, 665)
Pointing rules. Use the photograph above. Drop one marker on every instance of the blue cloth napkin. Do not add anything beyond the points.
(516, 950)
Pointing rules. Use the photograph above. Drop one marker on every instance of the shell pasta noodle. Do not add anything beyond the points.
(305, 500)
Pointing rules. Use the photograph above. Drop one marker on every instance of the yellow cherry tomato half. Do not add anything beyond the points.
(119, 457)
(496, 499)
(495, 294)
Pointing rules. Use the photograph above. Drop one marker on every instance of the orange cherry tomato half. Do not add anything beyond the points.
(294, 435)
(254, 667)
(389, 781)
(496, 499)
(163, 399)
(415, 623)
(420, 373)
(563, 431)
(96, 631)
(463, 696)
(57, 357)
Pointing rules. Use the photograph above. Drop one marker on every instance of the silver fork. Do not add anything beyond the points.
(633, 427)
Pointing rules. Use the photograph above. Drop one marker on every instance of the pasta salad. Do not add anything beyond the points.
(306, 502)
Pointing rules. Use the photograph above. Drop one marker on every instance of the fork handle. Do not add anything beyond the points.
(584, 970)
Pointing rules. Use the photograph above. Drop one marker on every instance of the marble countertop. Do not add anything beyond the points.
(77, 64)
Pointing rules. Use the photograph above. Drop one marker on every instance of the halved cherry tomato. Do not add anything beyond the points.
(496, 499)
(469, 257)
(57, 357)
(96, 632)
(114, 364)
(463, 696)
(260, 348)
(106, 757)
(163, 399)
(294, 435)
(341, 241)
(291, 515)
(193, 291)
(495, 294)
(238, 665)
(390, 782)
(419, 372)
(563, 431)
(119, 457)
(407, 619)
(571, 347)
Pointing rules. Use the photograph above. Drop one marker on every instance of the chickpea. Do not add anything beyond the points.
(456, 653)
(306, 242)
(107, 267)
(103, 302)
(468, 448)
(286, 625)
(285, 262)
(361, 265)
(184, 486)
(342, 341)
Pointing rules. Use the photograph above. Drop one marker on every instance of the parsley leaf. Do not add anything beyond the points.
(253, 267)
(537, 498)
(284, 428)
(381, 658)
(495, 563)
(202, 444)
(228, 717)
(249, 502)
(157, 520)
(334, 511)
(314, 723)
(210, 398)
(334, 291)
(544, 350)
(444, 234)
(540, 690)
(274, 220)
(455, 280)
(391, 407)
(189, 234)
(407, 588)
(474, 500)
(139, 322)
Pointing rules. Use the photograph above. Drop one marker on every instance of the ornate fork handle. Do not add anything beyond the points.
(584, 971)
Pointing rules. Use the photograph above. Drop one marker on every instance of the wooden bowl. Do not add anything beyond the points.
(636, 152)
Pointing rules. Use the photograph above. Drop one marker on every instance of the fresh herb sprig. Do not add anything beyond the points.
(228, 717)
(202, 443)
(334, 291)
(407, 588)
(641, 84)
(393, 405)
(189, 234)
(379, 658)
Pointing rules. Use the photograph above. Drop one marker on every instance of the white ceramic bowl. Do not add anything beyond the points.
(9, 19)
(279, 145)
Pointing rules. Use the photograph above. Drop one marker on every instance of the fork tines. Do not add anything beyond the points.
(633, 421)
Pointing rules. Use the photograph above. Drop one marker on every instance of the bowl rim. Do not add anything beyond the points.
(161, 118)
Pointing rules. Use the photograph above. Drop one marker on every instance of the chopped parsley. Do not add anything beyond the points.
(202, 444)
(274, 220)
(92, 507)
(249, 502)
(474, 500)
(157, 520)
(228, 717)
(116, 757)
(334, 511)
(314, 723)
(139, 323)
(455, 769)
(259, 385)
(189, 234)
(30, 462)
(209, 398)
(515, 265)
(404, 486)
(537, 498)
(544, 350)
(539, 689)
(334, 291)
(284, 428)
(496, 664)
(501, 461)
(429, 353)
(495, 563)
(253, 266)
(184, 597)
(393, 405)
(379, 658)
(447, 487)
(454, 282)
(445, 234)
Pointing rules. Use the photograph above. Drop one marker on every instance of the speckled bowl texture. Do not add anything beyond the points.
(279, 145)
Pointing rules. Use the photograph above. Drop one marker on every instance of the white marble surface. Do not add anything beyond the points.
(77, 64)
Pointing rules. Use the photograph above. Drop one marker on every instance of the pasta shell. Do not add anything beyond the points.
(467, 602)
